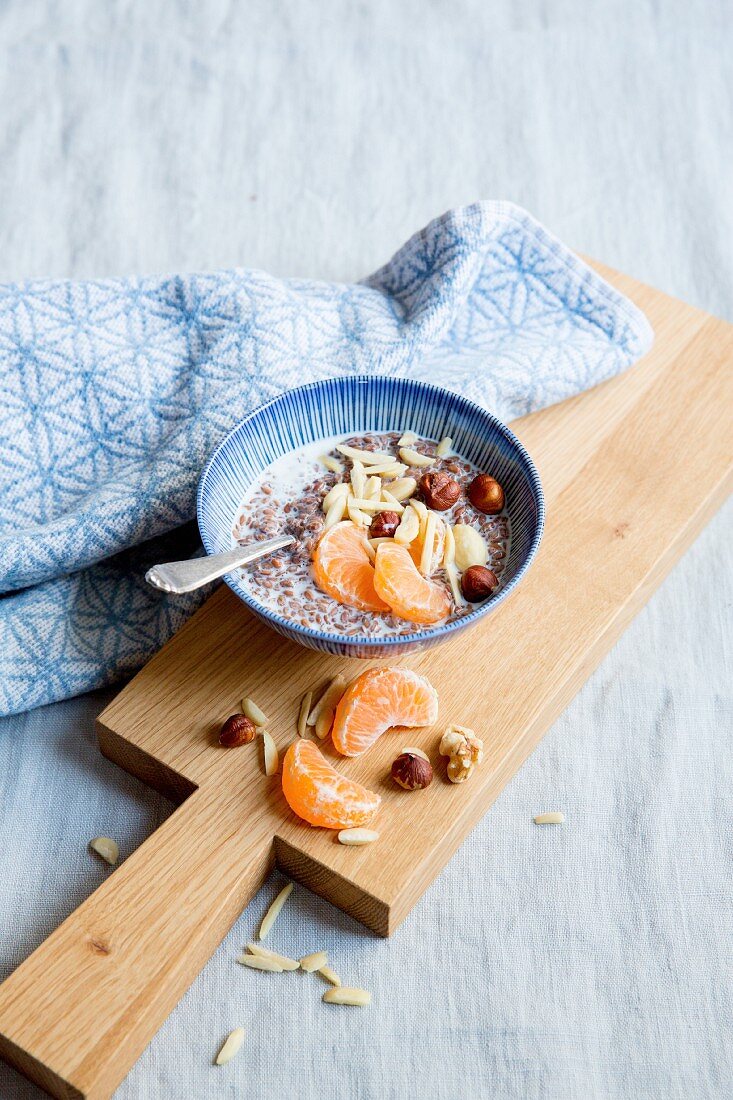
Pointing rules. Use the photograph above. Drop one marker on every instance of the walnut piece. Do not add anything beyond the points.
(464, 749)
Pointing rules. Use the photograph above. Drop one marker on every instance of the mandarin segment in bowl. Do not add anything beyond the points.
(343, 569)
(377, 700)
(400, 584)
(320, 795)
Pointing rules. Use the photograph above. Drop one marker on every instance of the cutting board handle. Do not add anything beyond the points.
(77, 1013)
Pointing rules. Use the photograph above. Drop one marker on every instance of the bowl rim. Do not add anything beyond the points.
(366, 641)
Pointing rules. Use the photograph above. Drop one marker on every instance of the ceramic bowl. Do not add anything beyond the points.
(350, 406)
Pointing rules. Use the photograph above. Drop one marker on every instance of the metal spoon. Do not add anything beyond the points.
(185, 576)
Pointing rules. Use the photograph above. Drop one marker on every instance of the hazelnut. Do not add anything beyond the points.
(486, 494)
(411, 772)
(478, 583)
(439, 491)
(237, 730)
(384, 525)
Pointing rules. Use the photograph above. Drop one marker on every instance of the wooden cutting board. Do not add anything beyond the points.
(632, 471)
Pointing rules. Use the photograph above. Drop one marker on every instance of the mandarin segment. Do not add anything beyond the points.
(400, 584)
(378, 699)
(319, 794)
(343, 569)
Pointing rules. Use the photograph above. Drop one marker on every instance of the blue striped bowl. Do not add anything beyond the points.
(349, 406)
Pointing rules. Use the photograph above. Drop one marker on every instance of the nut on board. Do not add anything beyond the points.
(412, 772)
(237, 730)
(464, 749)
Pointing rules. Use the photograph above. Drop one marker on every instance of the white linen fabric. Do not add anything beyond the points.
(590, 960)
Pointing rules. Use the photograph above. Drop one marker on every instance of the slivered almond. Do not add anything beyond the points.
(368, 458)
(330, 975)
(409, 527)
(414, 458)
(444, 447)
(449, 552)
(455, 585)
(106, 848)
(305, 706)
(403, 488)
(389, 470)
(554, 818)
(265, 953)
(331, 464)
(258, 962)
(386, 468)
(324, 721)
(253, 712)
(230, 1046)
(367, 505)
(440, 529)
(357, 836)
(416, 752)
(336, 512)
(426, 557)
(422, 512)
(406, 439)
(331, 698)
(391, 499)
(358, 478)
(271, 756)
(361, 519)
(272, 913)
(347, 995)
(376, 542)
(373, 488)
(309, 963)
(371, 550)
(340, 490)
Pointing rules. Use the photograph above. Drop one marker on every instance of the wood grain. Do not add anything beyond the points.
(632, 471)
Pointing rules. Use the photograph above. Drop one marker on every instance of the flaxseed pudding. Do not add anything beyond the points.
(394, 535)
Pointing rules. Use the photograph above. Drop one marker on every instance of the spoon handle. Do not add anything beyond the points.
(186, 576)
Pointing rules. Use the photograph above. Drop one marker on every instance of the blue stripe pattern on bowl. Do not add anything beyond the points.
(350, 406)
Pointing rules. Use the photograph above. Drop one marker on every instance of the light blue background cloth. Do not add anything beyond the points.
(590, 962)
(115, 391)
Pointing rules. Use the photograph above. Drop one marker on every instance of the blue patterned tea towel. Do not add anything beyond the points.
(113, 392)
